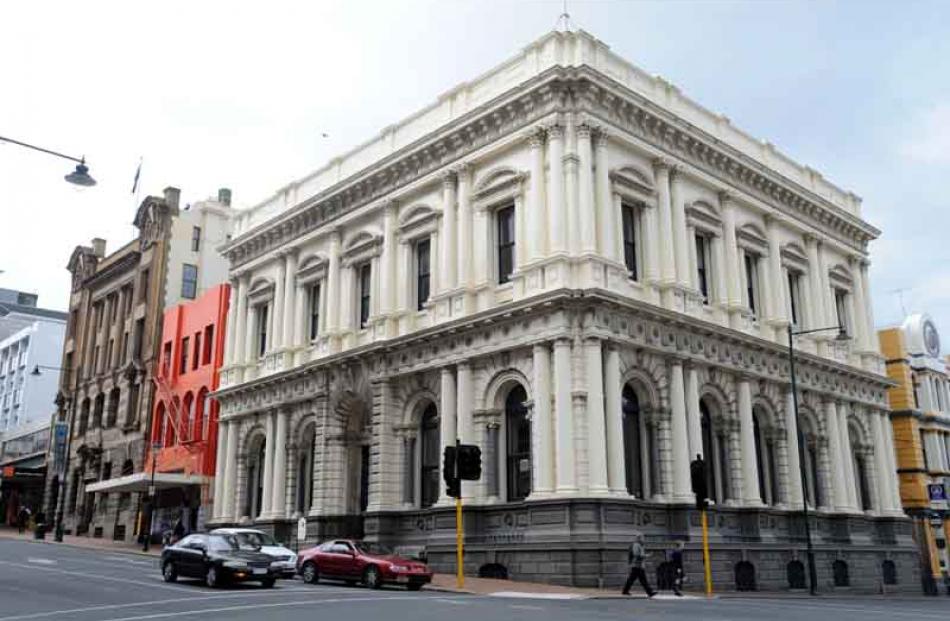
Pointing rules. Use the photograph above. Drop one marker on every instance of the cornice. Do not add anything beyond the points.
(129, 262)
(511, 113)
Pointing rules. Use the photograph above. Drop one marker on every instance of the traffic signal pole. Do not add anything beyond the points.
(459, 532)
(706, 564)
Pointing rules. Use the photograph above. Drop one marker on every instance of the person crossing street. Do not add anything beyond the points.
(635, 558)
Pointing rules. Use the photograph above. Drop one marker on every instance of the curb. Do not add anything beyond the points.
(78, 546)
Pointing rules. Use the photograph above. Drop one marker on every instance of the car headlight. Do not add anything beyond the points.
(235, 565)
(399, 568)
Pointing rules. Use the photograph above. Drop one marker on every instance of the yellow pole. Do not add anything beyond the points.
(706, 554)
(459, 538)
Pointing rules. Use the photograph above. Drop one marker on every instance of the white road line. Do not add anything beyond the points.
(41, 561)
(833, 607)
(306, 602)
(157, 584)
(53, 613)
(525, 607)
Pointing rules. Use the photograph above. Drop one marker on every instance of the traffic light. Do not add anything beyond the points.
(697, 475)
(453, 487)
(469, 462)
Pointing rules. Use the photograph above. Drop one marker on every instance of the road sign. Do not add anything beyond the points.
(937, 491)
(301, 528)
(60, 434)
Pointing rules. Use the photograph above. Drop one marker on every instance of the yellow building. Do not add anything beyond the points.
(920, 404)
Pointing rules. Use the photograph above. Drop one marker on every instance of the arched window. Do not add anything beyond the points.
(859, 467)
(171, 423)
(112, 411)
(97, 409)
(255, 479)
(765, 459)
(518, 432)
(813, 480)
(202, 412)
(188, 414)
(429, 462)
(84, 416)
(634, 443)
(715, 454)
(158, 433)
(304, 496)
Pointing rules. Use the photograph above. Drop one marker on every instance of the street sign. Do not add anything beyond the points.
(60, 435)
(936, 491)
(301, 528)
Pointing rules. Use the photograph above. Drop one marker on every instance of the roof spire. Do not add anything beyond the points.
(563, 23)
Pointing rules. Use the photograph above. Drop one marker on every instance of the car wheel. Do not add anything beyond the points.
(268, 583)
(212, 579)
(371, 577)
(309, 573)
(414, 586)
(169, 573)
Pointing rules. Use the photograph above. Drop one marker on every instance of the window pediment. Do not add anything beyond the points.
(840, 277)
(261, 291)
(498, 185)
(750, 237)
(704, 216)
(362, 246)
(632, 183)
(418, 221)
(794, 257)
(312, 268)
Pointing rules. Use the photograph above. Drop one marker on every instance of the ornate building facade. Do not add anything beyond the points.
(571, 264)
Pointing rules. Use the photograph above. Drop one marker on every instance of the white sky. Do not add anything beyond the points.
(237, 94)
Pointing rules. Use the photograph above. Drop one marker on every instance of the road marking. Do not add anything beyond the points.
(53, 613)
(518, 594)
(454, 602)
(41, 561)
(829, 606)
(525, 607)
(157, 584)
(305, 602)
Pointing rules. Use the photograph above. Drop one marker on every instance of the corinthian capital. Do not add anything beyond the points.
(535, 137)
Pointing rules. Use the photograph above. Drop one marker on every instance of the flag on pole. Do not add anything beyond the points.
(138, 171)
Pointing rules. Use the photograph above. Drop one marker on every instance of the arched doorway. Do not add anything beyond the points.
(429, 443)
(813, 482)
(715, 454)
(254, 484)
(764, 456)
(517, 444)
(638, 445)
(304, 494)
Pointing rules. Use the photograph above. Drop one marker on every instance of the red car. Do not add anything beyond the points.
(360, 561)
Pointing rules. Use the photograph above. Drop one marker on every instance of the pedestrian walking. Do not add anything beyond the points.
(676, 564)
(635, 558)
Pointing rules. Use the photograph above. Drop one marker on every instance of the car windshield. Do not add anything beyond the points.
(375, 549)
(254, 540)
(222, 543)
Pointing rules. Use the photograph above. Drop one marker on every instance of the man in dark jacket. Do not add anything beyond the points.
(635, 558)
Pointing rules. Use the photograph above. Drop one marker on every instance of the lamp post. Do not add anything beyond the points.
(842, 336)
(79, 177)
(151, 498)
(63, 467)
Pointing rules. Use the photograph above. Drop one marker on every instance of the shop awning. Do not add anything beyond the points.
(140, 481)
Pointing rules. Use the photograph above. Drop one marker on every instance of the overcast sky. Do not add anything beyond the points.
(231, 94)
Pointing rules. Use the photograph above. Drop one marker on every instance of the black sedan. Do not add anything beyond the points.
(217, 559)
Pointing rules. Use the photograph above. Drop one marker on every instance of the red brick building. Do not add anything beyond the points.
(184, 417)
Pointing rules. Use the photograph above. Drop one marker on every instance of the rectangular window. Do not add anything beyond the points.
(189, 281)
(139, 337)
(313, 304)
(143, 287)
(195, 238)
(183, 355)
(197, 351)
(629, 216)
(366, 279)
(422, 273)
(841, 309)
(794, 296)
(262, 329)
(208, 344)
(752, 281)
(702, 266)
(506, 243)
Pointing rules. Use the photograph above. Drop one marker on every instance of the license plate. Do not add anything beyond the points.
(259, 570)
(402, 578)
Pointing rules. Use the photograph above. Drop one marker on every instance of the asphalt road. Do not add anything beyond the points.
(59, 583)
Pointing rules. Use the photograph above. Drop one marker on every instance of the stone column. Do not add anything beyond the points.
(279, 485)
(868, 309)
(720, 294)
(220, 463)
(795, 492)
(276, 331)
(543, 476)
(447, 419)
(230, 329)
(750, 473)
(839, 498)
(557, 207)
(884, 475)
(680, 241)
(693, 413)
(535, 221)
(449, 231)
(668, 247)
(571, 162)
(300, 334)
(564, 424)
(465, 422)
(268, 483)
(817, 318)
(333, 284)
(680, 435)
(290, 299)
(251, 350)
(778, 303)
(847, 453)
(892, 458)
(585, 189)
(239, 356)
(605, 211)
(596, 424)
(731, 251)
(651, 241)
(616, 473)
(859, 307)
(228, 509)
(387, 281)
(464, 249)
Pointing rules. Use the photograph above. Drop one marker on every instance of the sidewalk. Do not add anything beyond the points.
(82, 542)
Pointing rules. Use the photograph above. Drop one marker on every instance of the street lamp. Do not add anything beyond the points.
(841, 336)
(36, 369)
(63, 467)
(151, 496)
(79, 177)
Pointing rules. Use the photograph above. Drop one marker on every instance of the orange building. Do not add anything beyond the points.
(920, 404)
(184, 425)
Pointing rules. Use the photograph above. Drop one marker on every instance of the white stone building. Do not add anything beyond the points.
(573, 265)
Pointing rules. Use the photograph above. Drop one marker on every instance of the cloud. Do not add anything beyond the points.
(930, 137)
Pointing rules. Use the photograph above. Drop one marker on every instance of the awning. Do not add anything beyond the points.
(140, 481)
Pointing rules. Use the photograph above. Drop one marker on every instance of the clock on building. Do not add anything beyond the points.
(931, 339)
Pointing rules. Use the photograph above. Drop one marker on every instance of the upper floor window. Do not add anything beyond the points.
(183, 355)
(195, 238)
(262, 329)
(366, 280)
(841, 310)
(505, 218)
(143, 286)
(702, 266)
(630, 232)
(196, 354)
(752, 282)
(422, 273)
(313, 303)
(795, 296)
(208, 344)
(189, 281)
